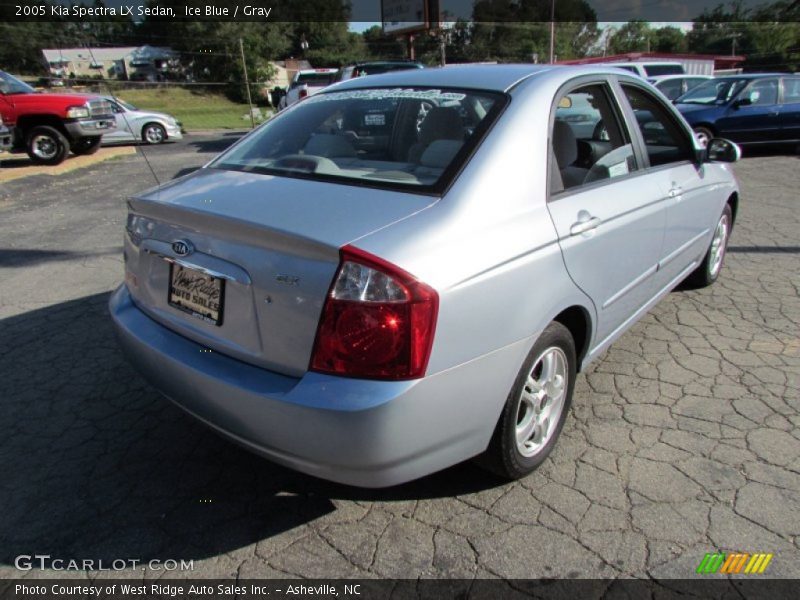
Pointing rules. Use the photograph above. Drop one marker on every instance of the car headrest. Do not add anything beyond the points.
(441, 124)
(565, 144)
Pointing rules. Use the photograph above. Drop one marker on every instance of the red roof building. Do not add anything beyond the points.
(700, 64)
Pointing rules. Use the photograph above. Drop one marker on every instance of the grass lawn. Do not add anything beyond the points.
(195, 109)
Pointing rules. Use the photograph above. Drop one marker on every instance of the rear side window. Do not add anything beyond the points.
(671, 88)
(588, 143)
(791, 90)
(656, 70)
(382, 137)
(315, 78)
(664, 139)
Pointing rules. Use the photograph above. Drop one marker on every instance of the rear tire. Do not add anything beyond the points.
(536, 407)
(46, 145)
(709, 270)
(87, 145)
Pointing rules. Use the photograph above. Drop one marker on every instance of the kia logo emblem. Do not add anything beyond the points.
(182, 247)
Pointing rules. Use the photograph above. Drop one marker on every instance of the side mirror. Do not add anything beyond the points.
(744, 101)
(722, 150)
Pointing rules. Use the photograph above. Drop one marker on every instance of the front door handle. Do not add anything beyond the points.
(584, 225)
(675, 191)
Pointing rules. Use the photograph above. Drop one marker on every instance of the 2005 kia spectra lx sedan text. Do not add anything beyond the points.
(407, 270)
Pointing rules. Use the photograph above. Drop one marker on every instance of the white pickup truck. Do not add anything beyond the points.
(306, 83)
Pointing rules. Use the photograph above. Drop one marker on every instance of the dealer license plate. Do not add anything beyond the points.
(196, 293)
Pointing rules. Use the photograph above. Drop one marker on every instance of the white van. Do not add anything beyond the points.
(650, 69)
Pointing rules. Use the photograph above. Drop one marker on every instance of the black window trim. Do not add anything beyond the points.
(607, 81)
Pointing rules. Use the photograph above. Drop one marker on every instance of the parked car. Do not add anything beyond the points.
(6, 136)
(403, 272)
(49, 126)
(135, 125)
(378, 67)
(673, 86)
(306, 83)
(747, 109)
(647, 69)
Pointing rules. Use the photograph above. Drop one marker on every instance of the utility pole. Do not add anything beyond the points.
(734, 37)
(247, 85)
(552, 31)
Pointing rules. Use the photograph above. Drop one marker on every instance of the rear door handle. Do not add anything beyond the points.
(583, 226)
(676, 191)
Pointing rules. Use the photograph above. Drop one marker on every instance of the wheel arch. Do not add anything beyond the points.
(26, 122)
(733, 201)
(578, 321)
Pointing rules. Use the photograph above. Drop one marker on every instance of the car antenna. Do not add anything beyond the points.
(124, 116)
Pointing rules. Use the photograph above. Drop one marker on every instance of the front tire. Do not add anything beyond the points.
(46, 145)
(709, 270)
(86, 146)
(536, 407)
(153, 133)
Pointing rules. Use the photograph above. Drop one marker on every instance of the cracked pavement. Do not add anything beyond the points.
(683, 438)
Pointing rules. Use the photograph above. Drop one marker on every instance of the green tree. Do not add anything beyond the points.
(669, 39)
(634, 36)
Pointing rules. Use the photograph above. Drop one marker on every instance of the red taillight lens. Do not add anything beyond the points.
(378, 321)
(302, 93)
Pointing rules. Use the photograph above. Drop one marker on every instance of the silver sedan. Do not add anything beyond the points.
(136, 125)
(408, 270)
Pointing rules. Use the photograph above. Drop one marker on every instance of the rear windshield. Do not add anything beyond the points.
(381, 137)
(656, 70)
(315, 78)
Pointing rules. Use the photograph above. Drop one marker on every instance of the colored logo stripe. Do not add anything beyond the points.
(758, 564)
(733, 563)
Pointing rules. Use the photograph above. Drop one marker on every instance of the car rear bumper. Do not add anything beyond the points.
(90, 127)
(358, 432)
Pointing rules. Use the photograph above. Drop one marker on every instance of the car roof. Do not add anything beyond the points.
(499, 78)
(752, 75)
(659, 78)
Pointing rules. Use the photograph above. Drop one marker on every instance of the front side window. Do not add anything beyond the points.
(382, 137)
(656, 70)
(664, 139)
(587, 142)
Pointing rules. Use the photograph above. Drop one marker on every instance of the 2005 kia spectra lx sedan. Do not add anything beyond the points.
(407, 270)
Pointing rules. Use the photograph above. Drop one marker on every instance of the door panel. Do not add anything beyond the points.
(790, 110)
(688, 204)
(614, 262)
(756, 122)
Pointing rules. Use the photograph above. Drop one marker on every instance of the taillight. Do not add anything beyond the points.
(378, 321)
(302, 93)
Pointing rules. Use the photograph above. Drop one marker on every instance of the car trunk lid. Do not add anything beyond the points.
(271, 244)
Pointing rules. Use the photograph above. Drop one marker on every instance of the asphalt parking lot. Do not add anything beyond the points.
(684, 438)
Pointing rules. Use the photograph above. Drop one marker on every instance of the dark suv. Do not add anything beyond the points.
(746, 109)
